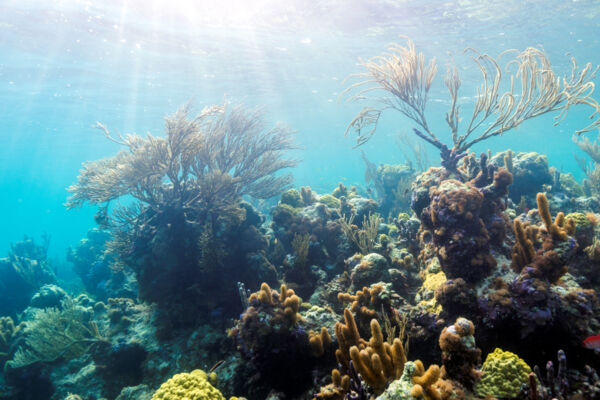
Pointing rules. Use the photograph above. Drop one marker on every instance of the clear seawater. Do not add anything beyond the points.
(66, 64)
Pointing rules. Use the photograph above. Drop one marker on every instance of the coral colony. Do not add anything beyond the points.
(453, 282)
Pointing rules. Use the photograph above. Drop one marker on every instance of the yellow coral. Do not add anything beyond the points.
(434, 281)
(426, 293)
(503, 374)
(188, 386)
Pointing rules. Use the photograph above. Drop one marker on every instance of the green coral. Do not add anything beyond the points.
(503, 375)
(283, 214)
(400, 388)
(193, 385)
(330, 201)
(403, 216)
(292, 197)
(582, 222)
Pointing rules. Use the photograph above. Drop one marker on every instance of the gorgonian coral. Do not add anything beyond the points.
(187, 226)
(402, 78)
(202, 163)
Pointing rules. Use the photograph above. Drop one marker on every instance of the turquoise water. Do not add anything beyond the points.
(66, 64)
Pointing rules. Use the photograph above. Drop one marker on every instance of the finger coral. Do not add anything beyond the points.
(377, 361)
(545, 250)
(271, 336)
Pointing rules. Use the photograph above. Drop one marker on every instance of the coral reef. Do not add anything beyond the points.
(188, 212)
(495, 251)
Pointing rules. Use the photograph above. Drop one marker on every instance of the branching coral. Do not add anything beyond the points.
(546, 260)
(405, 78)
(378, 362)
(367, 302)
(319, 342)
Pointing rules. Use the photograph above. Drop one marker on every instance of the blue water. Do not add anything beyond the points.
(66, 64)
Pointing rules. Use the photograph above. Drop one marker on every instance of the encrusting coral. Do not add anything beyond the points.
(193, 385)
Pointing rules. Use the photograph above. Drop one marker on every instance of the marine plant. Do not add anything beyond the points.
(533, 89)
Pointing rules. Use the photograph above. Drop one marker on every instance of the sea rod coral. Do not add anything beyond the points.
(534, 90)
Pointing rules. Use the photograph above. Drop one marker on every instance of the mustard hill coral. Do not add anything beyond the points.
(503, 375)
(193, 385)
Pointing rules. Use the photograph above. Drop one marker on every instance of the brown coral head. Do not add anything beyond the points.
(502, 179)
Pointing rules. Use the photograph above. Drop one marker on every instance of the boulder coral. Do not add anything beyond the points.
(193, 385)
(503, 375)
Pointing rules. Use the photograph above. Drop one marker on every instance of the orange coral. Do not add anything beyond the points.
(424, 381)
(547, 262)
(377, 361)
(286, 301)
(364, 302)
(319, 342)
